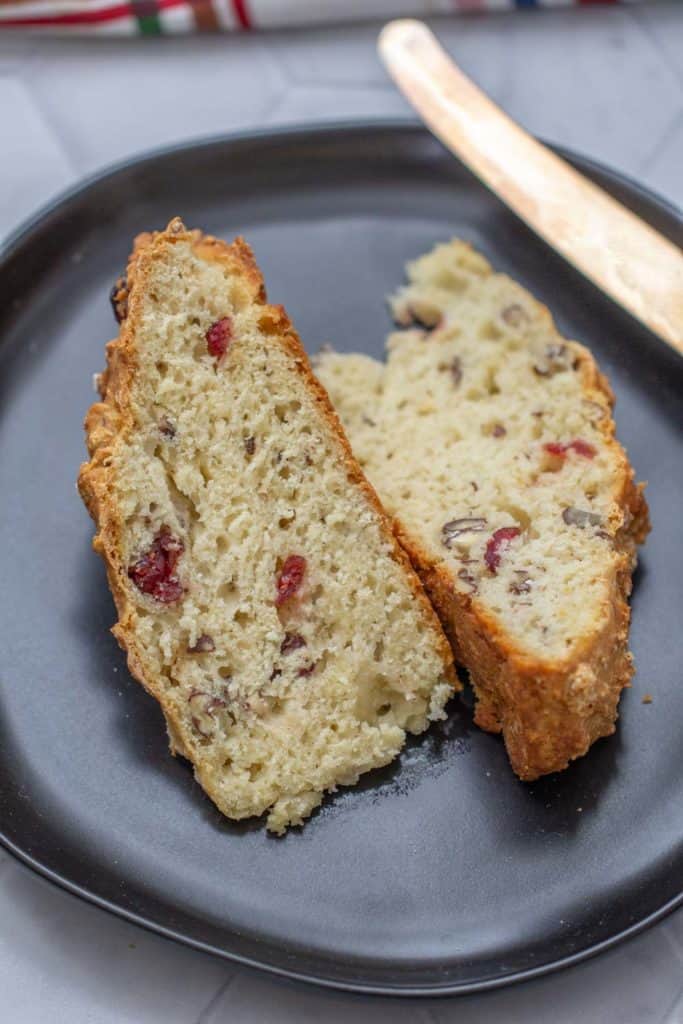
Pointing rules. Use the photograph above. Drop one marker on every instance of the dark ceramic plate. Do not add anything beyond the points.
(442, 873)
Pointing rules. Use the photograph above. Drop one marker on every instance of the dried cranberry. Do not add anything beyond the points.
(498, 430)
(290, 578)
(218, 337)
(500, 539)
(560, 448)
(307, 670)
(154, 571)
(582, 448)
(292, 642)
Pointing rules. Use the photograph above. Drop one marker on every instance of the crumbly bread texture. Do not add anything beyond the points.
(262, 597)
(490, 439)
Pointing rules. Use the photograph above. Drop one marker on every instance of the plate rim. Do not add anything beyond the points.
(289, 134)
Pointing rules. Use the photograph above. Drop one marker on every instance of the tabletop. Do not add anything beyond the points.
(607, 82)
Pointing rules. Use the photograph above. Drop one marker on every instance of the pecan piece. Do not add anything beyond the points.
(515, 315)
(204, 706)
(580, 517)
(521, 583)
(555, 359)
(292, 642)
(204, 645)
(469, 579)
(458, 527)
(455, 370)
(167, 428)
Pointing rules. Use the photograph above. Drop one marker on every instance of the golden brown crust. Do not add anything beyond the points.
(111, 418)
(549, 711)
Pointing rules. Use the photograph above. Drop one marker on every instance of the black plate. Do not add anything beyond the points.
(442, 873)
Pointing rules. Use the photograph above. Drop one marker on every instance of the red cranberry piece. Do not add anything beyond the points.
(218, 337)
(560, 448)
(154, 571)
(582, 448)
(500, 539)
(307, 670)
(290, 578)
(292, 642)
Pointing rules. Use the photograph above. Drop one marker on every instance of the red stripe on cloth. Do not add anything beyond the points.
(84, 17)
(242, 13)
(204, 15)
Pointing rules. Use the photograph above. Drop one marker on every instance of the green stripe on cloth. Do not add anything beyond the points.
(147, 14)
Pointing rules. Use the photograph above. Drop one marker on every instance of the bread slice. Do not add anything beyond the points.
(490, 439)
(262, 597)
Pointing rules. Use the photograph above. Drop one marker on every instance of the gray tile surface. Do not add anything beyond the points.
(607, 82)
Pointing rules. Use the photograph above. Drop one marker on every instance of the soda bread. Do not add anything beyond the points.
(261, 595)
(490, 439)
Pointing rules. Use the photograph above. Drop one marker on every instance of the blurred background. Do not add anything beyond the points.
(103, 81)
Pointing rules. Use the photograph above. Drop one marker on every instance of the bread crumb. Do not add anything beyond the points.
(647, 698)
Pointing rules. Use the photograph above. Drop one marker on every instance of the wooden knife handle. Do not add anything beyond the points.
(634, 264)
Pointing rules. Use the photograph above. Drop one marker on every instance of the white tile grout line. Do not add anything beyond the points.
(213, 1002)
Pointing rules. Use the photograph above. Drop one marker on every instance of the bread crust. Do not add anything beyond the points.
(549, 711)
(111, 419)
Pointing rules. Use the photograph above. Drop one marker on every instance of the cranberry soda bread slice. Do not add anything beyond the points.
(262, 597)
(490, 439)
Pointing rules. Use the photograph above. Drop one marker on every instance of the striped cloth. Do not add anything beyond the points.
(159, 17)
